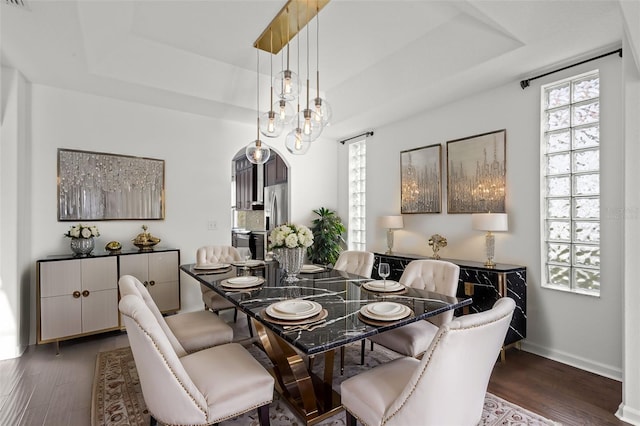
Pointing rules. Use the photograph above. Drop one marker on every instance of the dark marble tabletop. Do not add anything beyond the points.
(340, 293)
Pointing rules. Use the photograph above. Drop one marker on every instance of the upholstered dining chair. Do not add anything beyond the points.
(446, 387)
(413, 339)
(201, 388)
(188, 331)
(216, 254)
(355, 262)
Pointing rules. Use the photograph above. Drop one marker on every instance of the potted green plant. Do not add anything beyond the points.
(327, 232)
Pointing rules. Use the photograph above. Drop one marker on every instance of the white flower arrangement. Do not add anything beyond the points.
(82, 231)
(290, 236)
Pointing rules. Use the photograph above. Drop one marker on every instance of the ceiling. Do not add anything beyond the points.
(380, 60)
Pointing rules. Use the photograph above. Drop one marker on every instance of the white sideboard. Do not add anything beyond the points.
(78, 296)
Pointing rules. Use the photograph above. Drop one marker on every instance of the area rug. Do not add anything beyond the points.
(117, 396)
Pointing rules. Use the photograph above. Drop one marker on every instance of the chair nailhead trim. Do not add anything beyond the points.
(426, 365)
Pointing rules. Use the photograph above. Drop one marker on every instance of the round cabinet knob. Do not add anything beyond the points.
(76, 294)
(85, 293)
(152, 282)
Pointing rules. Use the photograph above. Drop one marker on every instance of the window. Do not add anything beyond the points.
(357, 194)
(571, 184)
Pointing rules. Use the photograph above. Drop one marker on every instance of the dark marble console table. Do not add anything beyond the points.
(484, 285)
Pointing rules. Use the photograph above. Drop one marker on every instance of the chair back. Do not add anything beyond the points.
(355, 262)
(217, 254)
(168, 391)
(128, 284)
(433, 275)
(449, 386)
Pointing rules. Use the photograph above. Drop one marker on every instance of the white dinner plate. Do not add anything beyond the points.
(309, 269)
(378, 286)
(293, 309)
(385, 311)
(212, 266)
(242, 282)
(249, 263)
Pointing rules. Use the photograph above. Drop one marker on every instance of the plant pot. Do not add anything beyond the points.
(82, 246)
(290, 260)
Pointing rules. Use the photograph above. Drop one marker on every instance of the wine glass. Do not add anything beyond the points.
(247, 258)
(384, 271)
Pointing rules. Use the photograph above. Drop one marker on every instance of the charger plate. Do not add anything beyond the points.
(242, 282)
(293, 309)
(320, 316)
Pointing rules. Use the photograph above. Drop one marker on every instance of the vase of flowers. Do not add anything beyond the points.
(288, 243)
(82, 243)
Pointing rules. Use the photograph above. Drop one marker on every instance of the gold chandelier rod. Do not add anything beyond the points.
(285, 24)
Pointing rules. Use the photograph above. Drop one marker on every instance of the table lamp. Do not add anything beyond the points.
(489, 222)
(391, 223)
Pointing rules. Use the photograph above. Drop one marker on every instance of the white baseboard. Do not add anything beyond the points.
(608, 371)
(629, 415)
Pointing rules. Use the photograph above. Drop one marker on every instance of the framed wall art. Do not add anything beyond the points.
(476, 173)
(101, 186)
(421, 180)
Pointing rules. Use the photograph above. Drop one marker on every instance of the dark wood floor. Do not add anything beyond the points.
(557, 391)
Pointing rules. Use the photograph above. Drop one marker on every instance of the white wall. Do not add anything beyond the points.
(580, 330)
(197, 152)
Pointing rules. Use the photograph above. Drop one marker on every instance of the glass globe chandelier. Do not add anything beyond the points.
(272, 123)
(258, 152)
(322, 107)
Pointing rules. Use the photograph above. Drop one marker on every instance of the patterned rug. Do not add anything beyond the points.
(117, 397)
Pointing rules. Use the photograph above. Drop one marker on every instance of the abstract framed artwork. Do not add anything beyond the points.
(421, 180)
(101, 186)
(476, 173)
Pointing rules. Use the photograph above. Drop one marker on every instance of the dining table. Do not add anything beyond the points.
(325, 309)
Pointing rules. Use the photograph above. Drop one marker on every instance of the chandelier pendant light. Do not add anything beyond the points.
(287, 81)
(311, 125)
(258, 152)
(295, 141)
(322, 107)
(272, 124)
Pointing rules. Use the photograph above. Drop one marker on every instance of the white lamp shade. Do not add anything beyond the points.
(391, 222)
(489, 221)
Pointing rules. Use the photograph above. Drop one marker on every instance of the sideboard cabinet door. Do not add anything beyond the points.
(159, 272)
(77, 297)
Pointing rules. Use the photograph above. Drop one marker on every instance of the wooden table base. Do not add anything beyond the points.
(312, 398)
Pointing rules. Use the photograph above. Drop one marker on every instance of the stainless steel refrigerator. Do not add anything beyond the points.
(276, 205)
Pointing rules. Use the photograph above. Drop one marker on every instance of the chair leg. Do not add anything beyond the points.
(311, 359)
(371, 345)
(362, 347)
(263, 415)
(235, 314)
(249, 325)
(152, 421)
(350, 419)
(341, 360)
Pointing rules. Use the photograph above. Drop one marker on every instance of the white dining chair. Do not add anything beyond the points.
(446, 387)
(358, 263)
(202, 388)
(413, 339)
(187, 331)
(355, 262)
(216, 254)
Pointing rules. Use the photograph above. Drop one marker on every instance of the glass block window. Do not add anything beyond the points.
(357, 194)
(571, 184)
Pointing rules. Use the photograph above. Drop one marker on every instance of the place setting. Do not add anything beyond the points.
(311, 269)
(212, 268)
(384, 285)
(381, 313)
(295, 313)
(243, 282)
